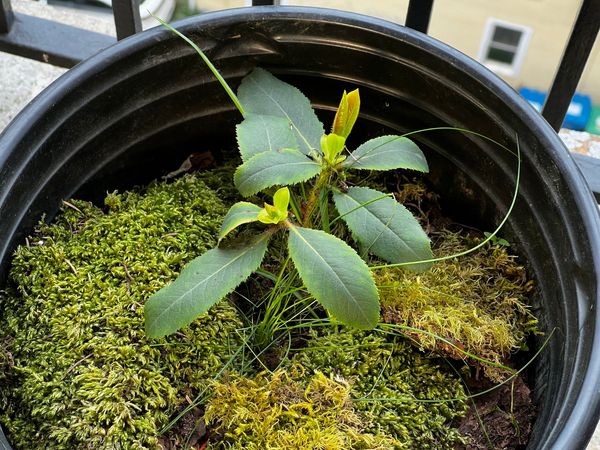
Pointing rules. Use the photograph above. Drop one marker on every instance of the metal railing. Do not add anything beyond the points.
(64, 45)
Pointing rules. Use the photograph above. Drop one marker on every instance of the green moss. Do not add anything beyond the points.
(288, 410)
(76, 368)
(220, 180)
(477, 302)
(78, 372)
(398, 391)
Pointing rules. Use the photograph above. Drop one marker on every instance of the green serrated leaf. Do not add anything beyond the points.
(278, 211)
(386, 153)
(384, 226)
(346, 114)
(262, 93)
(238, 214)
(202, 283)
(259, 133)
(332, 145)
(269, 215)
(336, 276)
(281, 199)
(283, 167)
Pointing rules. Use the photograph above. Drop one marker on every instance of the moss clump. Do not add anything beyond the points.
(220, 180)
(477, 302)
(394, 386)
(288, 410)
(76, 367)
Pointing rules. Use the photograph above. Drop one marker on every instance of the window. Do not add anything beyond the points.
(503, 46)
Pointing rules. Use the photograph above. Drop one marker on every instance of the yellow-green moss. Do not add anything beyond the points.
(288, 411)
(77, 370)
(477, 302)
(397, 391)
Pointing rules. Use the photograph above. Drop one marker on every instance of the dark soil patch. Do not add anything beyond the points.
(502, 419)
(189, 433)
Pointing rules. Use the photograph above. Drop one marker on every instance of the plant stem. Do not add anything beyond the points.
(324, 209)
(314, 197)
(294, 204)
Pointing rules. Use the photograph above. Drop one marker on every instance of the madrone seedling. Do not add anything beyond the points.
(283, 144)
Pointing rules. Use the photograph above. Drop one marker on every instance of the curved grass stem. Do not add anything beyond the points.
(491, 235)
(209, 64)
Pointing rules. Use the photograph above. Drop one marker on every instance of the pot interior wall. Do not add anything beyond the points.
(134, 112)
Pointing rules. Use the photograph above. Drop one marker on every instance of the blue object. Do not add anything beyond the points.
(579, 112)
(535, 98)
(577, 115)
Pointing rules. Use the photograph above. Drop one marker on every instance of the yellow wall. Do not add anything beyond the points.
(461, 24)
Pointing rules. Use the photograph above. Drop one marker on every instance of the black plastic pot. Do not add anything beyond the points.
(134, 111)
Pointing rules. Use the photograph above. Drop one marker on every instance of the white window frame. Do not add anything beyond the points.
(513, 69)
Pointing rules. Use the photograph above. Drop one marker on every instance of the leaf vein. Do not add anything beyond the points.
(330, 269)
(386, 227)
(251, 177)
(268, 95)
(196, 285)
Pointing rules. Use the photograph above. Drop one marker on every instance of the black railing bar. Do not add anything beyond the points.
(419, 15)
(570, 69)
(265, 2)
(7, 16)
(52, 42)
(127, 17)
